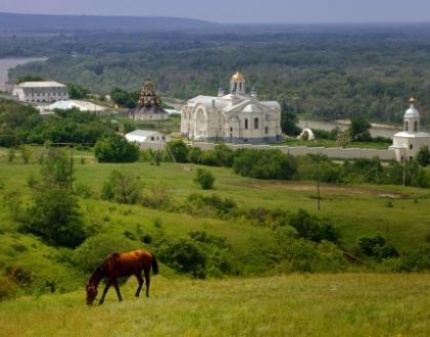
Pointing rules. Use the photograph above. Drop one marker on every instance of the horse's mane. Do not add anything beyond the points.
(98, 274)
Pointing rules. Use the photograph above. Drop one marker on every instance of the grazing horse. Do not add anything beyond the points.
(122, 264)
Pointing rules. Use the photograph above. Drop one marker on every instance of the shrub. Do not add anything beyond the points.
(96, 249)
(377, 247)
(122, 188)
(8, 288)
(185, 256)
(205, 178)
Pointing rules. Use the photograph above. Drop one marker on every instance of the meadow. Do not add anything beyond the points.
(262, 301)
(354, 305)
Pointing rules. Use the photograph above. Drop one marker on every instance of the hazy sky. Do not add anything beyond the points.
(257, 11)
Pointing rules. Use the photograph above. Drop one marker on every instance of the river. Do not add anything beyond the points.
(8, 63)
(375, 131)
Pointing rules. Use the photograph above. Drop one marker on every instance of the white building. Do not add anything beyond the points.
(234, 118)
(70, 104)
(407, 143)
(45, 91)
(146, 136)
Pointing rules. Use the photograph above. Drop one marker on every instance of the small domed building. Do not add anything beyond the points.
(236, 117)
(407, 143)
(148, 106)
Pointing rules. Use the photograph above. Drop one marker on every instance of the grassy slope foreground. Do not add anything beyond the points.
(294, 305)
(285, 305)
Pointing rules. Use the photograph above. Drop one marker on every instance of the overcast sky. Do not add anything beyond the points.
(240, 11)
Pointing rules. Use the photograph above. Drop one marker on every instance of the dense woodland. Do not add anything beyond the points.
(324, 71)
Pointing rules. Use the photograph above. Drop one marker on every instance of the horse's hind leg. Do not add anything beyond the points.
(147, 281)
(140, 280)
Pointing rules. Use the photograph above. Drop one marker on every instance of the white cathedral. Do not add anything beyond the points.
(233, 118)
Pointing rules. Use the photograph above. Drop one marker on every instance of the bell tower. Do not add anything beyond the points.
(237, 84)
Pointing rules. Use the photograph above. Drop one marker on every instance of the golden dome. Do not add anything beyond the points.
(238, 77)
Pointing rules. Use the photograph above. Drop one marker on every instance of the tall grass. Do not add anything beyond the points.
(353, 305)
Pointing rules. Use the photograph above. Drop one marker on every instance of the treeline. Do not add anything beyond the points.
(20, 124)
(273, 164)
(326, 72)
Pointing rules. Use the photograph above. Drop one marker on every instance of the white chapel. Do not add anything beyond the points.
(407, 143)
(236, 117)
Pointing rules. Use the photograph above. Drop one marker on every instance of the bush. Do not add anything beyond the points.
(205, 179)
(377, 247)
(96, 249)
(185, 256)
(8, 288)
(124, 189)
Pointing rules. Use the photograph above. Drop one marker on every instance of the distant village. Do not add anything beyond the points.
(235, 117)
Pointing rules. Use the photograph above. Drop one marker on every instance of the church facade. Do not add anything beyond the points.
(235, 118)
(407, 143)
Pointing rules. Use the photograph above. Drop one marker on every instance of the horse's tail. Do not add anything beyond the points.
(154, 264)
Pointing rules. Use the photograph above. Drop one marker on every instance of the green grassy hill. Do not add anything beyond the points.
(252, 249)
(354, 305)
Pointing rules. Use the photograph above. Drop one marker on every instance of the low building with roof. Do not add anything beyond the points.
(71, 104)
(236, 118)
(38, 92)
(407, 143)
(148, 106)
(146, 136)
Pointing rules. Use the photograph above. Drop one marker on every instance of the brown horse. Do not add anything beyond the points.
(122, 264)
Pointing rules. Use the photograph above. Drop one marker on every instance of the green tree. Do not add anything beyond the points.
(55, 215)
(179, 150)
(289, 120)
(115, 149)
(423, 156)
(359, 129)
(76, 91)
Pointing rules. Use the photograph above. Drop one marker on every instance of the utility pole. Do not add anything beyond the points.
(318, 194)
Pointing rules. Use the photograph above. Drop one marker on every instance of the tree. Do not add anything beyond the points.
(289, 120)
(359, 129)
(179, 150)
(115, 149)
(76, 91)
(423, 156)
(55, 215)
(30, 78)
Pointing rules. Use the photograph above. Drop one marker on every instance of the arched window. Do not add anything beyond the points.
(406, 126)
(266, 130)
(255, 123)
(416, 126)
(246, 123)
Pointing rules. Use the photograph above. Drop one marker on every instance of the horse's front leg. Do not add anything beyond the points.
(115, 284)
(140, 280)
(108, 284)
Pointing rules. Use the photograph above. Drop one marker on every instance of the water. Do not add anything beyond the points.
(375, 131)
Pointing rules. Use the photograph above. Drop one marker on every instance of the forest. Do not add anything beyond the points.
(324, 72)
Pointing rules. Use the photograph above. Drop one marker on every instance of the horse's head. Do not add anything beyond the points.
(91, 293)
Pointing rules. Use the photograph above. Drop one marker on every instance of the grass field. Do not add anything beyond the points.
(348, 304)
(353, 305)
